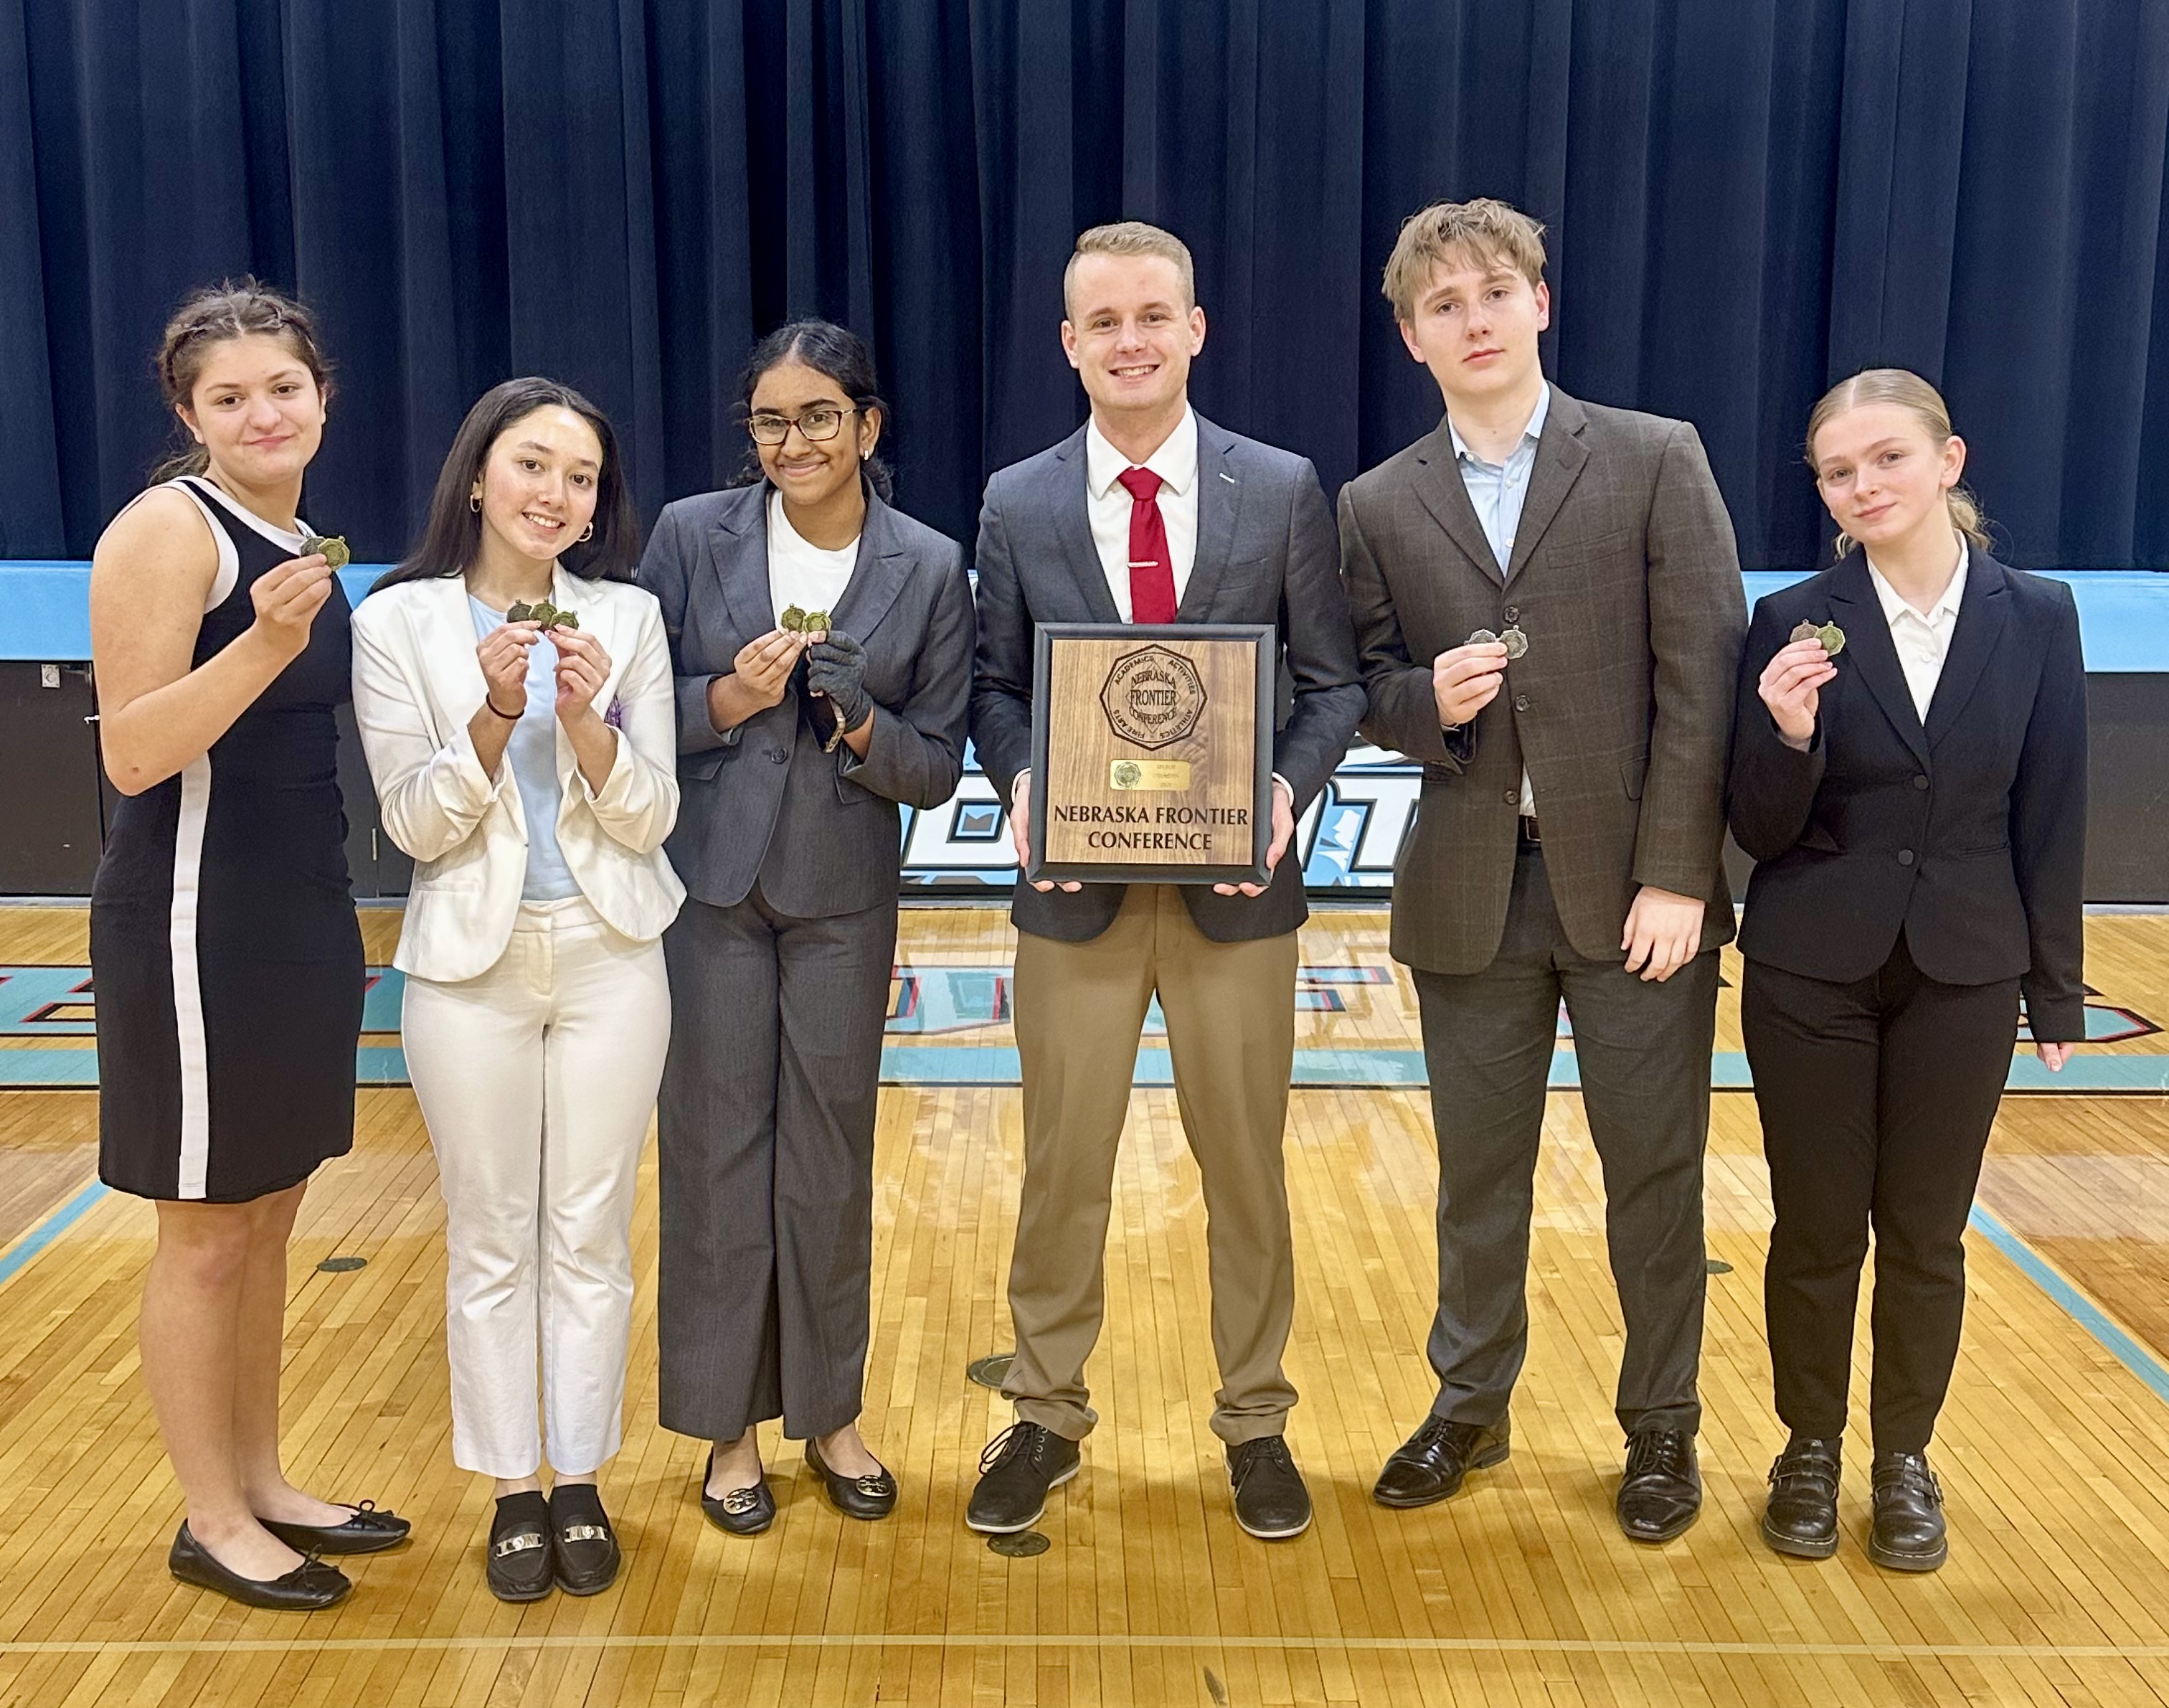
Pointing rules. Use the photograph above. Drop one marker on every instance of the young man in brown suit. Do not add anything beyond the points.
(1548, 609)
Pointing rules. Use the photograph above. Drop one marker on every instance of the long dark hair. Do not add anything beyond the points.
(453, 534)
(827, 349)
(233, 308)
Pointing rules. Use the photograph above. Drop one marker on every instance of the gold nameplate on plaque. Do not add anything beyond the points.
(1148, 774)
(1152, 753)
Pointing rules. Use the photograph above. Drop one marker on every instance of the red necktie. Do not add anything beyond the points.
(1152, 571)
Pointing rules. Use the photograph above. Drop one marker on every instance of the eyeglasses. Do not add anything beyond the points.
(822, 422)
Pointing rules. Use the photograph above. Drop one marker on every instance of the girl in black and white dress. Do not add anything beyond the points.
(226, 954)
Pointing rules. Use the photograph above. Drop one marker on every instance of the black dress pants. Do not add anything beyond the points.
(1876, 1097)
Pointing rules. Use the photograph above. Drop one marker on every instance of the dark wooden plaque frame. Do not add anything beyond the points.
(1259, 636)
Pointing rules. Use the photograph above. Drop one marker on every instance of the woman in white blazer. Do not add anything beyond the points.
(529, 767)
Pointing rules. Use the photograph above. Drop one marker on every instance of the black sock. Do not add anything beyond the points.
(577, 1504)
(517, 1512)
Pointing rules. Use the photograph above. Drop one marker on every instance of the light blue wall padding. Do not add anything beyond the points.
(2123, 614)
(47, 606)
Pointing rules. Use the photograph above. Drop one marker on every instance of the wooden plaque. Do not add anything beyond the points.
(1152, 751)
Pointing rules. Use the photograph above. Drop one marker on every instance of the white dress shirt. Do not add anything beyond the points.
(1175, 463)
(1923, 641)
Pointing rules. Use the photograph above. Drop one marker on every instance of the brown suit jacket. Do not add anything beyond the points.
(1626, 581)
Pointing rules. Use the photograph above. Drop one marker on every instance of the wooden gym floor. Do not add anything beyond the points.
(2053, 1449)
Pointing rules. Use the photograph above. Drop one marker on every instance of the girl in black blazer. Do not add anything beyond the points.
(1916, 801)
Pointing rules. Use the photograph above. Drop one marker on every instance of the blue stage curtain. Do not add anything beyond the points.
(1747, 200)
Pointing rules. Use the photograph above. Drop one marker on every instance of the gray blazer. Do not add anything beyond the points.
(820, 831)
(1265, 554)
(1626, 580)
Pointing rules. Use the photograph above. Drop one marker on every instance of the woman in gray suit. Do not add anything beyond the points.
(796, 742)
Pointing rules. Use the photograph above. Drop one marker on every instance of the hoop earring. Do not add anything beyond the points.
(589, 535)
(474, 502)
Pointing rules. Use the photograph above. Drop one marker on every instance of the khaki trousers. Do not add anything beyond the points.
(1080, 1010)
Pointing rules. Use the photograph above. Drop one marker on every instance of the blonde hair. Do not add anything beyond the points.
(1908, 391)
(1133, 238)
(1485, 232)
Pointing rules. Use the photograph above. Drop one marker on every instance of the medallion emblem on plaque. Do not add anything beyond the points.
(1153, 697)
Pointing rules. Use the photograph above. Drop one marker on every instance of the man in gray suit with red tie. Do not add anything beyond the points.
(1150, 514)
(1548, 606)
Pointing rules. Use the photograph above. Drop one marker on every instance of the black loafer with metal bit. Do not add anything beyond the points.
(309, 1586)
(870, 1496)
(581, 1538)
(1801, 1516)
(519, 1567)
(368, 1529)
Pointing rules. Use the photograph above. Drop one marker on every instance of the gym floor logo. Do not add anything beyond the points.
(1153, 697)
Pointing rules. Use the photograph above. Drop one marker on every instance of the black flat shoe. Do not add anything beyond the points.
(1907, 1534)
(1801, 1516)
(309, 1586)
(581, 1537)
(519, 1567)
(872, 1496)
(743, 1512)
(1431, 1464)
(1660, 1494)
(365, 1532)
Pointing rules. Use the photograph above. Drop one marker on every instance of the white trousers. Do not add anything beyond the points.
(537, 1079)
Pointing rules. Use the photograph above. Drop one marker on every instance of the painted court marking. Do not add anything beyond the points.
(872, 1640)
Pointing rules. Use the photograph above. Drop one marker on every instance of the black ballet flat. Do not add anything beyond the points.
(584, 1544)
(368, 1531)
(872, 1496)
(309, 1586)
(742, 1512)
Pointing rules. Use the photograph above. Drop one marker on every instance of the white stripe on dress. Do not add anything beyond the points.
(188, 980)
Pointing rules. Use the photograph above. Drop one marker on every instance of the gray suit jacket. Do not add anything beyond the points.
(1626, 582)
(819, 830)
(1265, 554)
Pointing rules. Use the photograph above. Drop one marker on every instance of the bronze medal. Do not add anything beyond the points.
(1515, 641)
(333, 546)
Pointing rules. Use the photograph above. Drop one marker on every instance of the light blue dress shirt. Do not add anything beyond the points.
(1498, 490)
(532, 751)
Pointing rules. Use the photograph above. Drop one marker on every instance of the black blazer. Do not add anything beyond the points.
(1267, 553)
(1968, 834)
(819, 830)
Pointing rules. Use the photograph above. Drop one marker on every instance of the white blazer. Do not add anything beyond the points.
(417, 683)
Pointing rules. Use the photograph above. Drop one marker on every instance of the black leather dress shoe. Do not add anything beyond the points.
(1430, 1465)
(1801, 1515)
(1660, 1494)
(582, 1540)
(309, 1586)
(870, 1496)
(1908, 1533)
(519, 1566)
(743, 1512)
(366, 1531)
(1020, 1465)
(1270, 1501)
